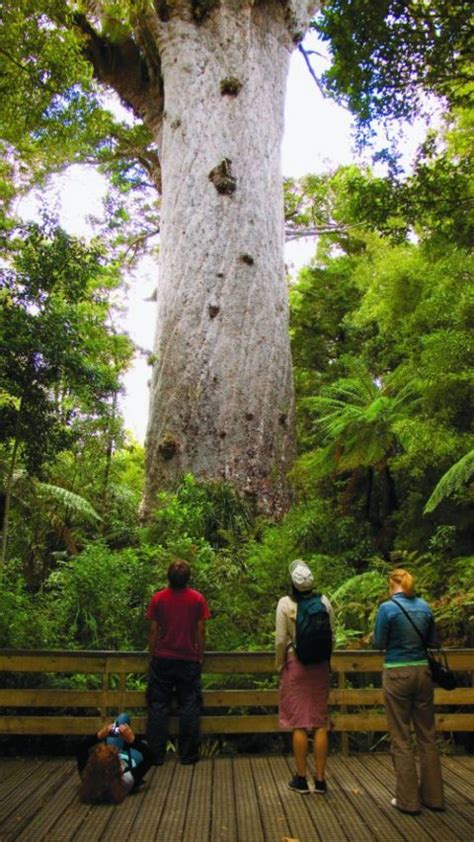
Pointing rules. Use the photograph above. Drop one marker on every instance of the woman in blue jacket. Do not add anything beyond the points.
(408, 694)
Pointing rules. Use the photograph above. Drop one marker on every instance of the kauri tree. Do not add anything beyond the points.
(208, 81)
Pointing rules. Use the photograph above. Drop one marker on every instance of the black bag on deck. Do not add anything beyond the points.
(313, 641)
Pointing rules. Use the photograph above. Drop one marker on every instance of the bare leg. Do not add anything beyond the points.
(320, 746)
(300, 749)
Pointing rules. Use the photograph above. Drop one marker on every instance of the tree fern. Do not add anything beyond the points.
(452, 481)
(77, 505)
(359, 415)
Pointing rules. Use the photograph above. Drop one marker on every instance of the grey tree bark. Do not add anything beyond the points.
(222, 402)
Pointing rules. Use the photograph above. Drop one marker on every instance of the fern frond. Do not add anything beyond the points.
(452, 481)
(78, 505)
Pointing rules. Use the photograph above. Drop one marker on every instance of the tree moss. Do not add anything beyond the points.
(222, 178)
(168, 447)
(230, 86)
(201, 9)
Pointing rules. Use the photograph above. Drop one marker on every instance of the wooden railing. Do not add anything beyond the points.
(226, 711)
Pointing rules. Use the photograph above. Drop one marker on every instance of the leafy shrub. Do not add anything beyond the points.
(98, 599)
(19, 627)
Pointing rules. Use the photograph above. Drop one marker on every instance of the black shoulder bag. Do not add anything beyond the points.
(438, 662)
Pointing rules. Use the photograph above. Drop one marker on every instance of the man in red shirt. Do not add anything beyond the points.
(176, 640)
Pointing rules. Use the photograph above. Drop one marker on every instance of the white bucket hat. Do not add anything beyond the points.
(300, 575)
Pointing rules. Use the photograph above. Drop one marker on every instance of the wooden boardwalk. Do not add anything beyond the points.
(241, 799)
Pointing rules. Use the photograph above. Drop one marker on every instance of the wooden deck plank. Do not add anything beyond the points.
(153, 803)
(52, 811)
(451, 824)
(72, 817)
(297, 807)
(223, 812)
(463, 760)
(17, 776)
(247, 809)
(244, 799)
(274, 821)
(459, 787)
(358, 794)
(173, 816)
(198, 813)
(459, 800)
(355, 827)
(121, 825)
(325, 817)
(460, 776)
(10, 766)
(95, 822)
(30, 797)
(409, 826)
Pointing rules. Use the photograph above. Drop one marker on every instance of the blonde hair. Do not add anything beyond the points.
(101, 779)
(404, 580)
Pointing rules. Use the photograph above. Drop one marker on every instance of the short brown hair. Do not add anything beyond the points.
(178, 574)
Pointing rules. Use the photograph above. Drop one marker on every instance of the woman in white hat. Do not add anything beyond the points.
(304, 687)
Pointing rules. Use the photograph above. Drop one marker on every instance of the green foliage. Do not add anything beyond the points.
(16, 611)
(67, 499)
(355, 604)
(387, 55)
(51, 114)
(55, 342)
(380, 326)
(452, 481)
(60, 362)
(210, 510)
(381, 331)
(98, 599)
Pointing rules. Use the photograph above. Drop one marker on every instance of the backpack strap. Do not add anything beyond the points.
(392, 599)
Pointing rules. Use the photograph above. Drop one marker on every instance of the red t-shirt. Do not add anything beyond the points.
(177, 612)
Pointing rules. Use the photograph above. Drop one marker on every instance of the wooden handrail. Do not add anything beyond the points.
(58, 660)
(226, 710)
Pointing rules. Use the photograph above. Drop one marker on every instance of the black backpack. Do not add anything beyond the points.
(313, 642)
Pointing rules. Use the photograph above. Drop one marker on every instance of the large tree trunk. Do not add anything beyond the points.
(207, 77)
(222, 389)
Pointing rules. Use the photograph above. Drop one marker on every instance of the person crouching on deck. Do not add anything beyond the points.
(112, 763)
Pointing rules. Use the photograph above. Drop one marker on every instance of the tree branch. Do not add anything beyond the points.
(306, 55)
(122, 66)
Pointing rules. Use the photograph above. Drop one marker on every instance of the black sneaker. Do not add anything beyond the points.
(299, 784)
(320, 787)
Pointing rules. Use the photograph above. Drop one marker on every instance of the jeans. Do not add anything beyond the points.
(408, 697)
(165, 676)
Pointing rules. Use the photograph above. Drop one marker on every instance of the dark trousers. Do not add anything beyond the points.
(165, 676)
(408, 697)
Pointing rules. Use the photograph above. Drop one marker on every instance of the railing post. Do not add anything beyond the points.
(341, 682)
(105, 688)
(122, 688)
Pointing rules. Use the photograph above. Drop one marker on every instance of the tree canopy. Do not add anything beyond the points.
(381, 333)
(387, 56)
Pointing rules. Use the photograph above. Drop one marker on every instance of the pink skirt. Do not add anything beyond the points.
(303, 695)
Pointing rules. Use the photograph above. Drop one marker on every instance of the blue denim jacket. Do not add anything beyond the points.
(395, 634)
